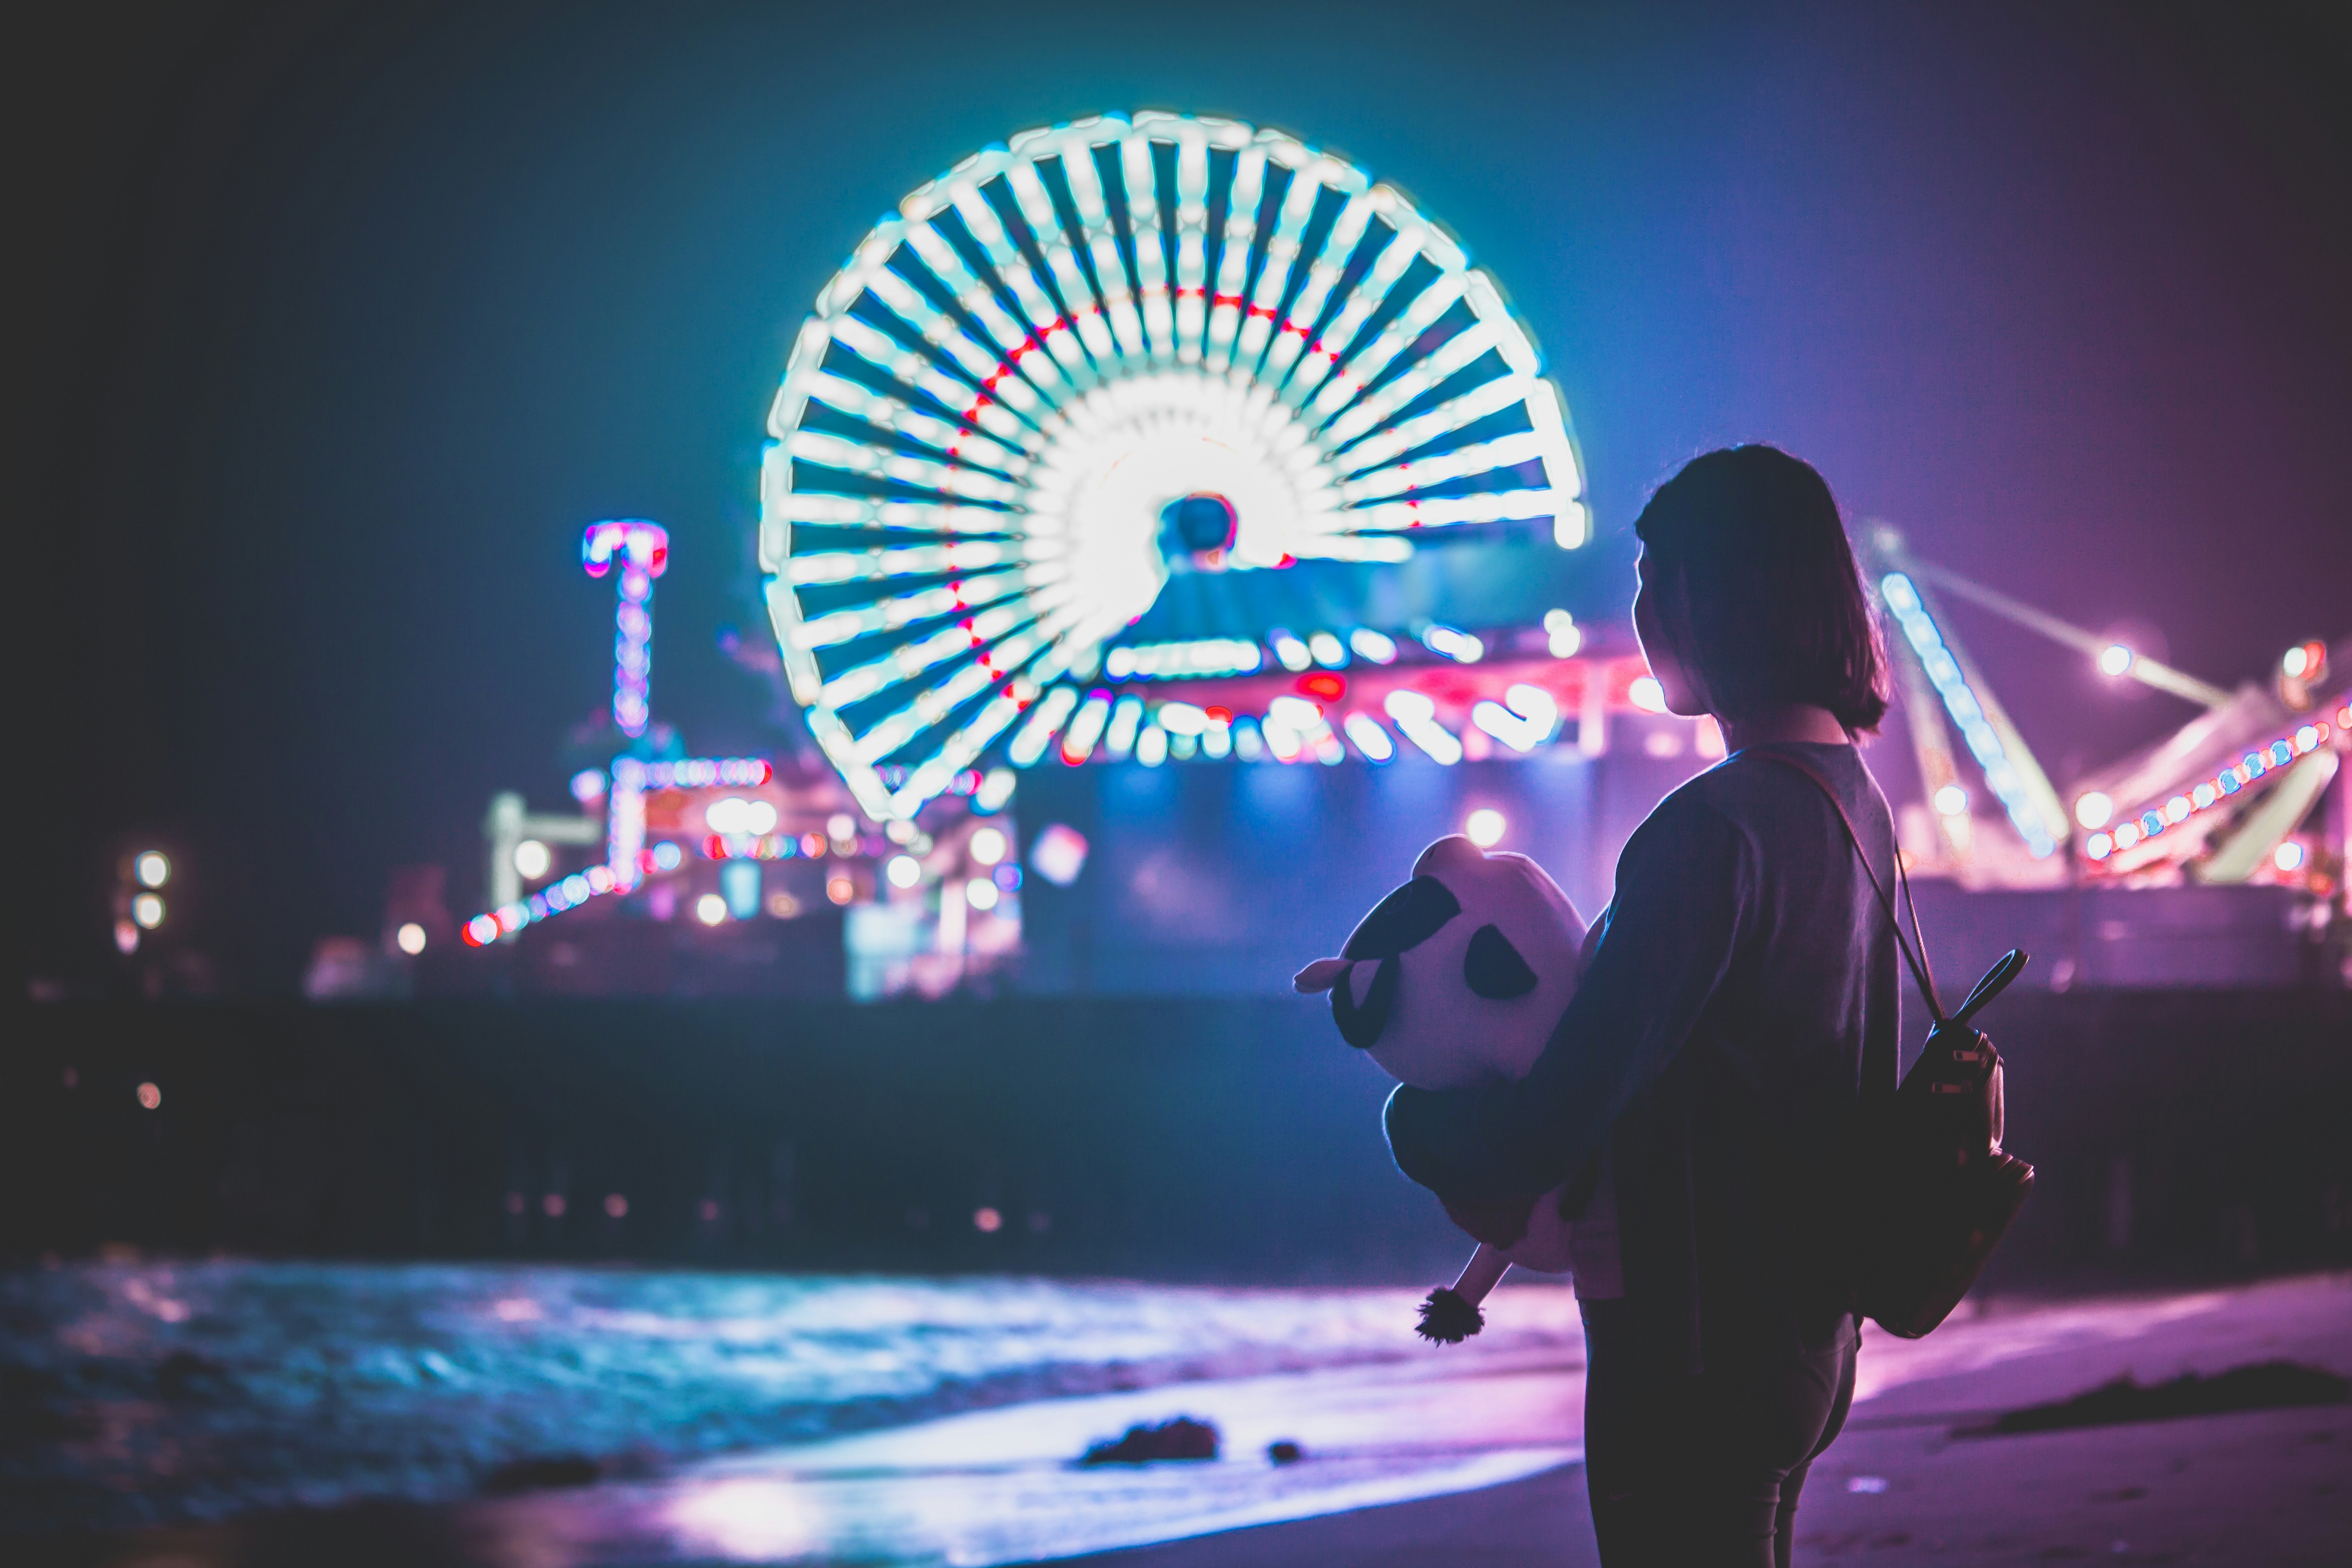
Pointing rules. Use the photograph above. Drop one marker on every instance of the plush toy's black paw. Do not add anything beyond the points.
(1447, 1319)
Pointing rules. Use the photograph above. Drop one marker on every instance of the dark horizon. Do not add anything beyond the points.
(348, 320)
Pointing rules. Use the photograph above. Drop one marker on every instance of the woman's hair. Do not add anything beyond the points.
(1776, 608)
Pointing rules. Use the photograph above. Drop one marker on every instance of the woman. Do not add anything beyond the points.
(1709, 1067)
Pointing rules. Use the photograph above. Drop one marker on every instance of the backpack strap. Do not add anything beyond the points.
(1917, 958)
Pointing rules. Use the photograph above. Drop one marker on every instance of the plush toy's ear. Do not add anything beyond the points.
(1319, 976)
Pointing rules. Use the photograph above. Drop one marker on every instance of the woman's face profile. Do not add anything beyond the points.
(1683, 691)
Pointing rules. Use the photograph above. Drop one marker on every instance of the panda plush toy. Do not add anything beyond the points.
(1454, 980)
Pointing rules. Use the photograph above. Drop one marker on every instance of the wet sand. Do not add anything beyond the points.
(2244, 1490)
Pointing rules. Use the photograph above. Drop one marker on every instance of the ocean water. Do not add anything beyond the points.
(143, 1394)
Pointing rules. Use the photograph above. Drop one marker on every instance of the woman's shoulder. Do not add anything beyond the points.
(1707, 810)
(1757, 783)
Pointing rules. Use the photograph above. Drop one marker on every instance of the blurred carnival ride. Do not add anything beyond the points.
(2227, 798)
(1092, 385)
(1165, 440)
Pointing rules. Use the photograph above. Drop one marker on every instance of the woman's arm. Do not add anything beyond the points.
(1683, 883)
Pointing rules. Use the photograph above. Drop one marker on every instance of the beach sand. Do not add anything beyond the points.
(1449, 1458)
(2244, 1490)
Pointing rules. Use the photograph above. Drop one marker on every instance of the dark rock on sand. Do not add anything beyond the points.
(1180, 1439)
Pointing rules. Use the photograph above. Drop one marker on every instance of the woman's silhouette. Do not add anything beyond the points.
(1708, 1070)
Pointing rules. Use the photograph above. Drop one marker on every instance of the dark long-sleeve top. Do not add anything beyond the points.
(1713, 1055)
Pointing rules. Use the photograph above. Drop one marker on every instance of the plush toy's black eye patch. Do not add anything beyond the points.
(1402, 920)
(1361, 1027)
(1492, 967)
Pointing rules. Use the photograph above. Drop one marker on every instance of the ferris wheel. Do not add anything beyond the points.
(1104, 354)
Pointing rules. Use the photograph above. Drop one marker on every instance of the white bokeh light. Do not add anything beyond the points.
(982, 424)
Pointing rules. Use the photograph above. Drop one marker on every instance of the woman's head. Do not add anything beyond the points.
(1750, 598)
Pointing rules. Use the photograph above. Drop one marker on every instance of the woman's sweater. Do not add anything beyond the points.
(1711, 1056)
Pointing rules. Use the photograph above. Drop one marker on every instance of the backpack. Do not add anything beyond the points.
(1932, 1189)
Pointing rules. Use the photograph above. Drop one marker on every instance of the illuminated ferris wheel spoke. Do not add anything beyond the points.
(989, 369)
(1242, 200)
(1431, 373)
(1045, 719)
(1358, 547)
(1020, 350)
(1383, 447)
(1045, 227)
(919, 372)
(1192, 247)
(985, 426)
(1047, 325)
(958, 752)
(787, 507)
(960, 443)
(1443, 512)
(910, 561)
(1358, 371)
(1273, 276)
(947, 479)
(1115, 288)
(905, 609)
(975, 291)
(1138, 194)
(1323, 274)
(1319, 381)
(977, 374)
(1421, 473)
(930, 708)
(910, 660)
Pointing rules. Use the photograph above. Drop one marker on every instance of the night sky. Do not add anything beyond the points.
(345, 318)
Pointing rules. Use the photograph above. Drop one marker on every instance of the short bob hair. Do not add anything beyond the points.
(1775, 602)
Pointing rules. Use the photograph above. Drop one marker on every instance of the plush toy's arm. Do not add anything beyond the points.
(1451, 1316)
(1499, 1223)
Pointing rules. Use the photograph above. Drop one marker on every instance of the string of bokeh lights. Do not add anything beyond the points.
(1075, 727)
(628, 861)
(2192, 803)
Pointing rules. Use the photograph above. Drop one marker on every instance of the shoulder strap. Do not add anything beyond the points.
(1915, 957)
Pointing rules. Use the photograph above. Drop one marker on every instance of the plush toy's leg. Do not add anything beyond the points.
(1451, 1316)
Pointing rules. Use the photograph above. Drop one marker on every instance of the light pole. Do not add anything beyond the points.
(642, 550)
